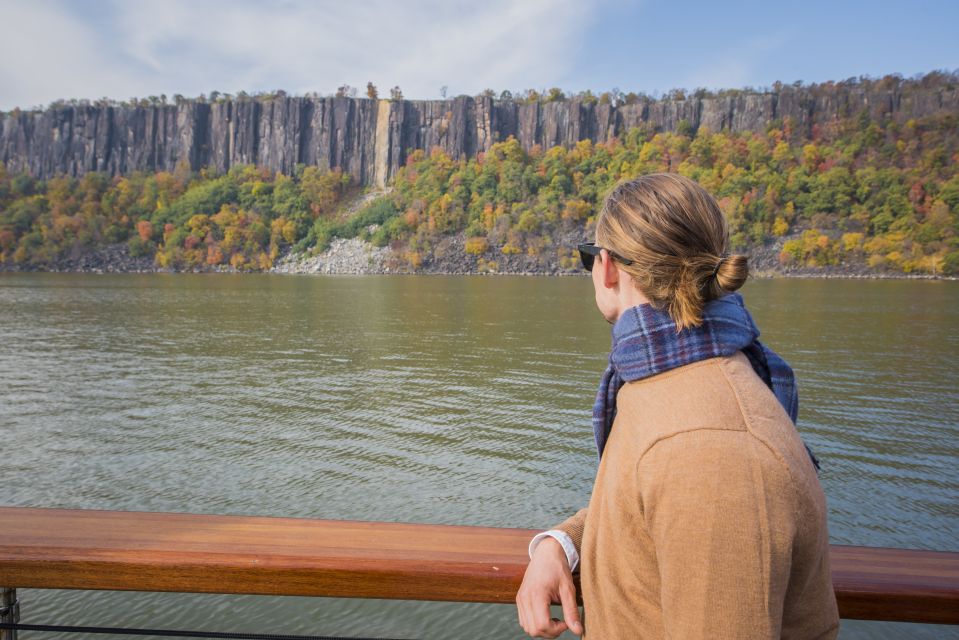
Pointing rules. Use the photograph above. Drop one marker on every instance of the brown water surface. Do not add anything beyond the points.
(423, 399)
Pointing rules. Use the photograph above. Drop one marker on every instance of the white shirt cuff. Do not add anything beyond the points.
(564, 540)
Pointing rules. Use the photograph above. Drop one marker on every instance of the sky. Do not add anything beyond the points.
(53, 49)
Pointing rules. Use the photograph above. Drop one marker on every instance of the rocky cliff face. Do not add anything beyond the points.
(370, 139)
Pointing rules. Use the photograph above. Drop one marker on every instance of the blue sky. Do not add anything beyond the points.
(53, 49)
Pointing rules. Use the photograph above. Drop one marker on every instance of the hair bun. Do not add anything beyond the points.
(731, 272)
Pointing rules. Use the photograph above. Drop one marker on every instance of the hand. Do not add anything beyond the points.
(548, 580)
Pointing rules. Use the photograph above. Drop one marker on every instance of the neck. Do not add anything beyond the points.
(627, 296)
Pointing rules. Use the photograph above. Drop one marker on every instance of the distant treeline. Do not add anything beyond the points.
(615, 96)
(882, 194)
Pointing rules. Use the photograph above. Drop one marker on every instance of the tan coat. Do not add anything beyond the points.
(707, 519)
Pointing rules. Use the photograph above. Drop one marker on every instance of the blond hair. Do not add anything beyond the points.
(676, 236)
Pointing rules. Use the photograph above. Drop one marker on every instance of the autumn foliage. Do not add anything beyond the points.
(883, 194)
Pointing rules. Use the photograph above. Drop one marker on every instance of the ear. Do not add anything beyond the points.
(610, 270)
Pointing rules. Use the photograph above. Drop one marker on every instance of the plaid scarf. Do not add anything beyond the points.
(645, 343)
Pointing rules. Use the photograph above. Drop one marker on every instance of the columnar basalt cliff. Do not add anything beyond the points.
(370, 139)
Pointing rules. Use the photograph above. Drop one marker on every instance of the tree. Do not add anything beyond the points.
(587, 97)
(345, 91)
(145, 230)
(371, 91)
(396, 93)
(443, 91)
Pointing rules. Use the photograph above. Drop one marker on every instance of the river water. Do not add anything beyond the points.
(423, 399)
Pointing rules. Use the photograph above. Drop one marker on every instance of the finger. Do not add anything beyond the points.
(528, 618)
(567, 597)
(525, 617)
(543, 625)
(556, 627)
(537, 612)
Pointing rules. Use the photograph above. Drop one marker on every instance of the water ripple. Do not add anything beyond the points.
(448, 400)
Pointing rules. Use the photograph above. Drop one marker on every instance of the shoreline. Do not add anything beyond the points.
(357, 258)
(759, 275)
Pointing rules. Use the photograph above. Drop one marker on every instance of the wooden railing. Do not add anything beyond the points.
(80, 549)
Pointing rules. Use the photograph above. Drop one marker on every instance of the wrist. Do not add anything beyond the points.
(560, 538)
(551, 546)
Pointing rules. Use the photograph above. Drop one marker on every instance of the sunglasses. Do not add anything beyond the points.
(588, 252)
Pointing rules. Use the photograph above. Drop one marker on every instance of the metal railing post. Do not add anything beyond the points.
(9, 612)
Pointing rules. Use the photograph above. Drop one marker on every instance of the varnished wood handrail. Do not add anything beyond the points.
(81, 549)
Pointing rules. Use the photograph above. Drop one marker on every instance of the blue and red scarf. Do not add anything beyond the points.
(645, 343)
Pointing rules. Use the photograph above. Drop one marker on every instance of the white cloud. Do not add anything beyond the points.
(190, 47)
(46, 54)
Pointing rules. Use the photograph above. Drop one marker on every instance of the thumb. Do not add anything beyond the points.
(567, 596)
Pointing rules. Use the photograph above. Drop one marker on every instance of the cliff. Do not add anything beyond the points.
(371, 139)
